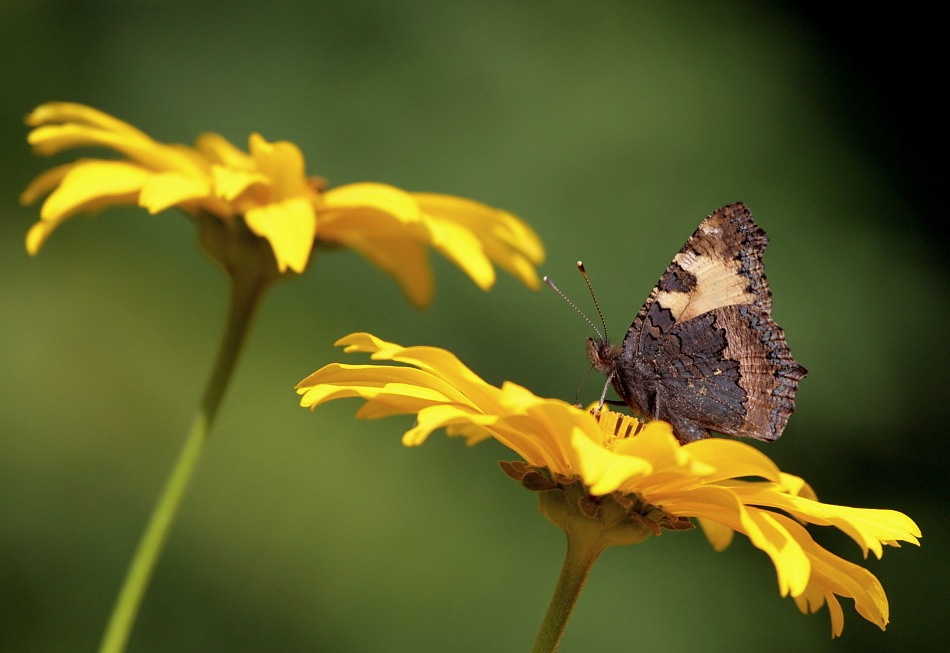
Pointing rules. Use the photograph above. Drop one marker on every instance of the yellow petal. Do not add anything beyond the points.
(472, 433)
(37, 235)
(220, 150)
(674, 468)
(837, 616)
(289, 226)
(398, 398)
(537, 431)
(460, 246)
(392, 245)
(163, 190)
(198, 160)
(364, 342)
(82, 125)
(377, 410)
(517, 266)
(447, 366)
(792, 566)
(721, 505)
(435, 417)
(371, 379)
(719, 535)
(480, 218)
(40, 231)
(50, 139)
(797, 486)
(505, 240)
(47, 181)
(90, 180)
(356, 216)
(342, 374)
(655, 441)
(732, 459)
(869, 528)
(231, 182)
(348, 224)
(281, 162)
(602, 470)
(74, 112)
(816, 596)
(381, 197)
(403, 259)
(833, 574)
(518, 399)
(442, 366)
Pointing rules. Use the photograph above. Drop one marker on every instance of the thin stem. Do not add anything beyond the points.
(245, 297)
(581, 554)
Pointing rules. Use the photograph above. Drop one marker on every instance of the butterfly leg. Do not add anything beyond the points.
(603, 397)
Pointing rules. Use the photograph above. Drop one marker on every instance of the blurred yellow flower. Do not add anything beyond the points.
(267, 190)
(727, 485)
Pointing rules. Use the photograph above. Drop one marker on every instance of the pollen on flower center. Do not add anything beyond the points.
(616, 427)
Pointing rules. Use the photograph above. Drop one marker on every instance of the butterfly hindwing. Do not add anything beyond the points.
(703, 352)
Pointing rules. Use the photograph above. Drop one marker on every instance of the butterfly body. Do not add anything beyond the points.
(703, 352)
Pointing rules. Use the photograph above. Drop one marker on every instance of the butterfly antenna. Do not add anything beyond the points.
(580, 312)
(580, 267)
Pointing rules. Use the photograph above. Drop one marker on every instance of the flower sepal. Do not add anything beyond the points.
(613, 519)
(243, 254)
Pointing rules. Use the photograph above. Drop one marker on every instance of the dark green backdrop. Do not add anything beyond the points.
(613, 128)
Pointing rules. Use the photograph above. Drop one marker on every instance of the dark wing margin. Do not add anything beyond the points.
(767, 372)
(729, 371)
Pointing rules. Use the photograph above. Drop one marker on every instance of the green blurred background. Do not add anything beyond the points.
(611, 127)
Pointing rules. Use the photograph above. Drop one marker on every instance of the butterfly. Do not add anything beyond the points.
(703, 353)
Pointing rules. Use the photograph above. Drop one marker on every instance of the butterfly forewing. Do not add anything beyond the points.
(703, 352)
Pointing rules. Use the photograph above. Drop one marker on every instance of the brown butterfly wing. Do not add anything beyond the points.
(703, 352)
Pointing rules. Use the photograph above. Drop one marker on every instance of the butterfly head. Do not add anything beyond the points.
(603, 356)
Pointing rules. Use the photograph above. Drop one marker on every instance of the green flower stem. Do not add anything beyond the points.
(582, 552)
(246, 293)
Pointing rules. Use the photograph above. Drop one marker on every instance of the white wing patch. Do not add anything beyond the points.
(718, 284)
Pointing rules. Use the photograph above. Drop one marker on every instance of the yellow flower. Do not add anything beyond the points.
(267, 192)
(727, 485)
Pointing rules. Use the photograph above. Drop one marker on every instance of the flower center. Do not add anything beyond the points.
(616, 427)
